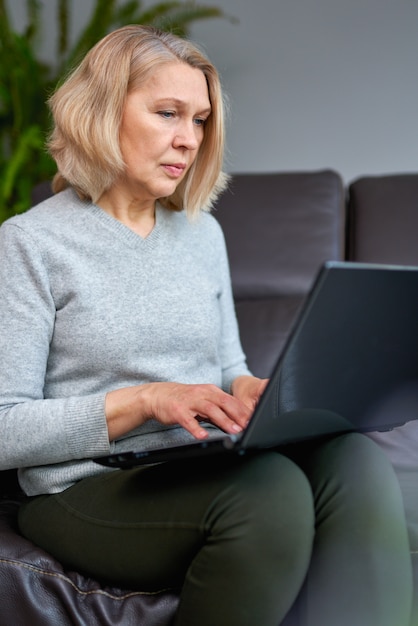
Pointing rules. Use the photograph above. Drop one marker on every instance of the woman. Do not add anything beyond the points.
(118, 330)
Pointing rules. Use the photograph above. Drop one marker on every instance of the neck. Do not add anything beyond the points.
(136, 215)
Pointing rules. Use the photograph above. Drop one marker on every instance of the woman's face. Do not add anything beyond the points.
(162, 129)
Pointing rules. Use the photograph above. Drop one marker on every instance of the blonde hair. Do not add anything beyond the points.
(87, 111)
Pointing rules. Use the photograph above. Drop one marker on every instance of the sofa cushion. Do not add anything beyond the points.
(383, 219)
(264, 325)
(279, 229)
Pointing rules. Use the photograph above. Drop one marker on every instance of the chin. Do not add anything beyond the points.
(167, 190)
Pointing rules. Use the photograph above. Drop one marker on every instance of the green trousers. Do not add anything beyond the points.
(244, 538)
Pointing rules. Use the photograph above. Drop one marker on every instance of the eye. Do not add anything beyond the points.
(200, 121)
(166, 114)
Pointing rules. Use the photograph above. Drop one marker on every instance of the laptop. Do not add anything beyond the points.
(350, 363)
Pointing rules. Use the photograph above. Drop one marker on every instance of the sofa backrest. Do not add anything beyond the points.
(383, 219)
(279, 229)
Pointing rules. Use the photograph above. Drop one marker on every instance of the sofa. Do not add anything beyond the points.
(279, 228)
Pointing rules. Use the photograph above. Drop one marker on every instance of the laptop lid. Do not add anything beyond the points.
(352, 351)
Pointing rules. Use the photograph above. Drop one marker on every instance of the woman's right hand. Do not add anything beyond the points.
(174, 403)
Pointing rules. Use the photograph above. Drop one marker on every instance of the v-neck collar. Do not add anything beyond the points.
(126, 234)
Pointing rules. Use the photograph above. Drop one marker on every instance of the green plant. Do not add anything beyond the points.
(26, 81)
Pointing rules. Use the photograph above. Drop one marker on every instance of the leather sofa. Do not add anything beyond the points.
(279, 228)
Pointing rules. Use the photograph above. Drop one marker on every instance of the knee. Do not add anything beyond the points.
(269, 504)
(358, 461)
(352, 474)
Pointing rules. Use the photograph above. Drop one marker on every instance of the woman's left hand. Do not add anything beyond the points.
(248, 389)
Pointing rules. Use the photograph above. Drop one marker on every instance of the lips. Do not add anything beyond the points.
(174, 169)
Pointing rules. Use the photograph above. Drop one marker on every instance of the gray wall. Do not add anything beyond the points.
(320, 83)
(311, 83)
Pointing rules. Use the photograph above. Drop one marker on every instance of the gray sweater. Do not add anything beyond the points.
(88, 306)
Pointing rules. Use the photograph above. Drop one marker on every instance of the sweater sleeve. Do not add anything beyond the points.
(35, 430)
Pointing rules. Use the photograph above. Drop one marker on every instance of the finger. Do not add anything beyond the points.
(220, 408)
(236, 410)
(192, 425)
(216, 415)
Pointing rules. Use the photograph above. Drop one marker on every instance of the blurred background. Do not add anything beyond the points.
(311, 83)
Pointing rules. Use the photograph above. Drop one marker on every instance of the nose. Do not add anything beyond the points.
(187, 135)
